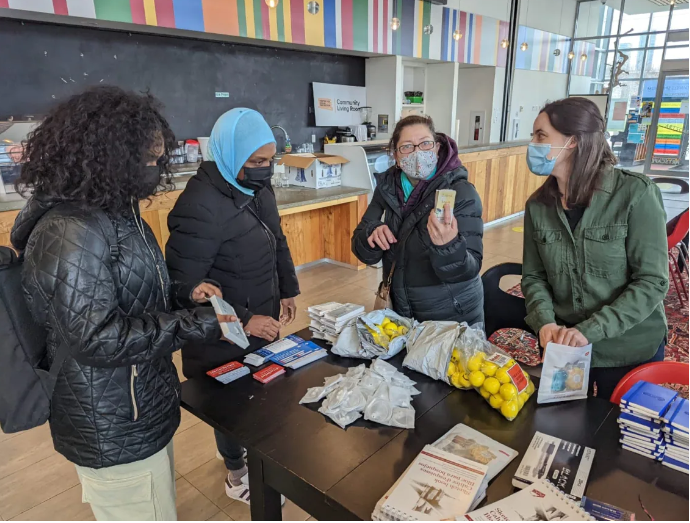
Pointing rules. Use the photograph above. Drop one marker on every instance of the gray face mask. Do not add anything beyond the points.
(419, 164)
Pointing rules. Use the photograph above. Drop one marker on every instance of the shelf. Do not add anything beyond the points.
(408, 106)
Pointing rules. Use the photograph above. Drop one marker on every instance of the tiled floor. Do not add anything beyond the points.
(36, 483)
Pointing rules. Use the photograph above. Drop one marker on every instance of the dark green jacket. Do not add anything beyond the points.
(609, 277)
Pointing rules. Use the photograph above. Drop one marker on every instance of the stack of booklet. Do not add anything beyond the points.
(640, 420)
(675, 431)
(264, 354)
(448, 478)
(541, 501)
(329, 319)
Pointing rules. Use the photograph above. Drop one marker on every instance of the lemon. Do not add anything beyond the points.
(492, 385)
(525, 375)
(495, 401)
(475, 362)
(485, 393)
(385, 322)
(402, 330)
(510, 409)
(391, 332)
(508, 391)
(502, 376)
(509, 364)
(459, 381)
(522, 398)
(477, 378)
(530, 388)
(489, 368)
(455, 356)
(465, 381)
(452, 369)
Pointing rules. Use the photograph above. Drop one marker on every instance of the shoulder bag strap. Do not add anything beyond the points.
(400, 246)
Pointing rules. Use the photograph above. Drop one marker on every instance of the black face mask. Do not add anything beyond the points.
(150, 178)
(256, 178)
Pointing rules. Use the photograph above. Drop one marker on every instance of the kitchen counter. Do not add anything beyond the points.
(318, 223)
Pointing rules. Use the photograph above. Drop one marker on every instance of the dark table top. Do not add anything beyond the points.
(356, 466)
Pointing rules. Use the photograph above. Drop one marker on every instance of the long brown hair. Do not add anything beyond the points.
(406, 122)
(579, 118)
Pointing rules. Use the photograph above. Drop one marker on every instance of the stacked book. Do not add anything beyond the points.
(329, 319)
(448, 478)
(641, 419)
(675, 431)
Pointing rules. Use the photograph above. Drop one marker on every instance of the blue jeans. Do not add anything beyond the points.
(607, 378)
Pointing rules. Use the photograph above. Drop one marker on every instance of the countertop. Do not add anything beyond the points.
(287, 198)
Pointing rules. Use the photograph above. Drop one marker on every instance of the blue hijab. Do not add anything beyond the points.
(236, 135)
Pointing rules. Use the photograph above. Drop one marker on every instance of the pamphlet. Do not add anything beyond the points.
(564, 463)
(438, 485)
(538, 502)
(470, 444)
(232, 331)
(444, 197)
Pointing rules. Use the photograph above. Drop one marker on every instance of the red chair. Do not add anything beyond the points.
(679, 231)
(657, 372)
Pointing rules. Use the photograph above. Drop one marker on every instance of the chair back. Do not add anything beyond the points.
(679, 229)
(657, 372)
(502, 310)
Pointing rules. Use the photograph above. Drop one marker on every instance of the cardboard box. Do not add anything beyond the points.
(316, 171)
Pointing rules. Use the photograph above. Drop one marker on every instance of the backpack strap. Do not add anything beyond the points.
(64, 348)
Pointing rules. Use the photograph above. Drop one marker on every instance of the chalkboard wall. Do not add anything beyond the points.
(45, 64)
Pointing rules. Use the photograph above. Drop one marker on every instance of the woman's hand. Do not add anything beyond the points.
(382, 237)
(226, 318)
(547, 334)
(289, 311)
(263, 327)
(571, 338)
(443, 232)
(204, 291)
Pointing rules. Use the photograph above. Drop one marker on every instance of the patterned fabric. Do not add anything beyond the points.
(116, 399)
(523, 346)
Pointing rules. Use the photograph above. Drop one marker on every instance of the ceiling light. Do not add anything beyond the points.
(505, 43)
(272, 4)
(395, 24)
(524, 46)
(583, 57)
(571, 55)
(457, 35)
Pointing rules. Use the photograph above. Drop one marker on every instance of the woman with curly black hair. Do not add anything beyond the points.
(95, 278)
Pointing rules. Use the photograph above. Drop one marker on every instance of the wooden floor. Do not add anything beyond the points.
(36, 483)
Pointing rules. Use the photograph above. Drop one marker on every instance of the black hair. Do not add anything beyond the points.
(91, 149)
(406, 122)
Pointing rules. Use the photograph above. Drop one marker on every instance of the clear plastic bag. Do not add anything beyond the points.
(565, 374)
(492, 373)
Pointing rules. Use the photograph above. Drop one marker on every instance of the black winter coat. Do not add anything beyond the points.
(221, 234)
(117, 397)
(429, 282)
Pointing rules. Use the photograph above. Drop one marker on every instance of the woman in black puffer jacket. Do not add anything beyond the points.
(436, 275)
(95, 278)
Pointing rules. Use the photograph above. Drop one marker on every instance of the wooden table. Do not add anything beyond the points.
(340, 474)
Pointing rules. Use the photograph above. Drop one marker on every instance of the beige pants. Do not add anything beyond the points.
(139, 491)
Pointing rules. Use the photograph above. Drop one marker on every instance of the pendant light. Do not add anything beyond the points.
(583, 57)
(272, 4)
(457, 35)
(571, 55)
(395, 21)
(505, 43)
(524, 45)
(557, 51)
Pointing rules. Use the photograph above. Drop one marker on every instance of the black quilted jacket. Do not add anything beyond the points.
(220, 233)
(117, 396)
(430, 282)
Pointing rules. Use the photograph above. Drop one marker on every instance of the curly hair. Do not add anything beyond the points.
(92, 148)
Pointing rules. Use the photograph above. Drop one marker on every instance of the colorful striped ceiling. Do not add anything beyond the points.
(358, 25)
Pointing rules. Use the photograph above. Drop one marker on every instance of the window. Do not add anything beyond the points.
(680, 19)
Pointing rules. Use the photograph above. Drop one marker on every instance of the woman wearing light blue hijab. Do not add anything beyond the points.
(225, 228)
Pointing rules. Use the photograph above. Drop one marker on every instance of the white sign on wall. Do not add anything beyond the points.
(338, 105)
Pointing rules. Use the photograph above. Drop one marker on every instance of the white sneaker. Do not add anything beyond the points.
(241, 492)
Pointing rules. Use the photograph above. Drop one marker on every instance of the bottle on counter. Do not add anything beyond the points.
(191, 149)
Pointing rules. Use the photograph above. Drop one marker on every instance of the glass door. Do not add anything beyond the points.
(662, 129)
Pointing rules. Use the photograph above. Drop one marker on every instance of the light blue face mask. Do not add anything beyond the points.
(538, 159)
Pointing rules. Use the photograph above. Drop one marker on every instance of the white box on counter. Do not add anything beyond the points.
(316, 171)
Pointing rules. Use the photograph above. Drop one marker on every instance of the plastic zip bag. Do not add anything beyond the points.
(565, 374)
(430, 348)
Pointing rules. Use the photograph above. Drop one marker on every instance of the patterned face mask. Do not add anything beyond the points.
(419, 164)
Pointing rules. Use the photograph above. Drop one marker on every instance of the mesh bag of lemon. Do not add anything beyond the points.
(499, 379)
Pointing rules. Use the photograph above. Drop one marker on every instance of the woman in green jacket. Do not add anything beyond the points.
(595, 267)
